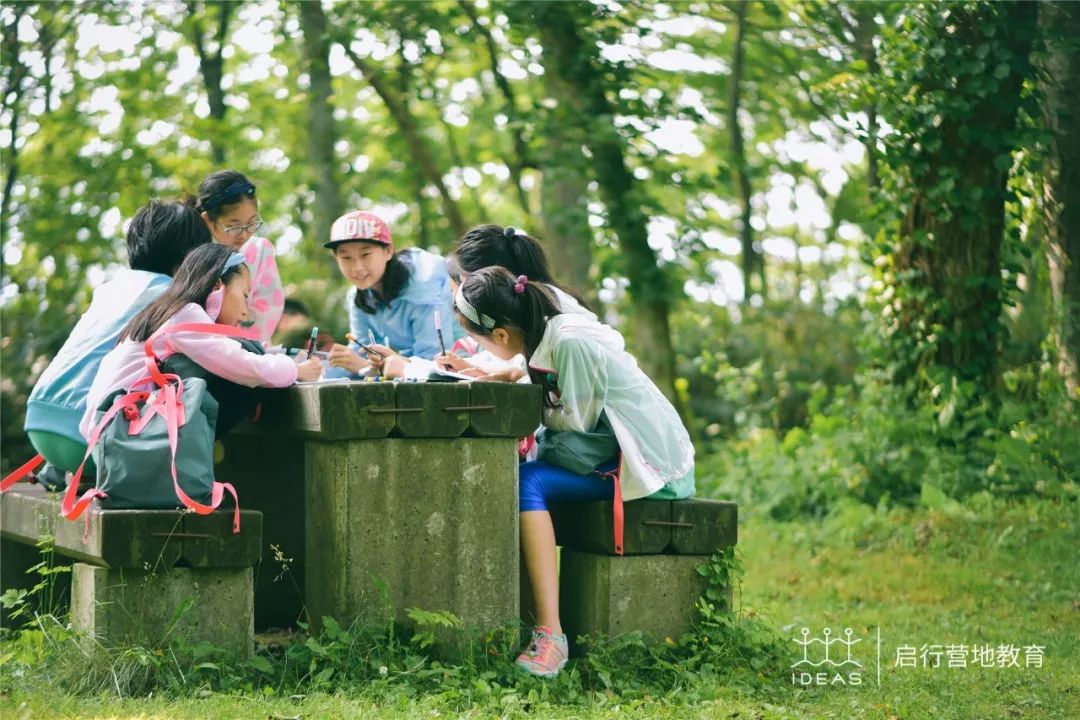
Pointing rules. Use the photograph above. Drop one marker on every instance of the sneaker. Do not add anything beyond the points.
(546, 654)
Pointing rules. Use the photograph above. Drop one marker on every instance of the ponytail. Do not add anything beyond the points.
(492, 297)
(520, 253)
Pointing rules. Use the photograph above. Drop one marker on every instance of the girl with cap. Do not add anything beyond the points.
(212, 285)
(231, 211)
(495, 246)
(586, 374)
(395, 296)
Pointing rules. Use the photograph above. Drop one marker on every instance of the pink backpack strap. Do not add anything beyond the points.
(71, 508)
(24, 470)
(617, 505)
(173, 401)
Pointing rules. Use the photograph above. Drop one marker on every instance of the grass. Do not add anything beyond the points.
(991, 573)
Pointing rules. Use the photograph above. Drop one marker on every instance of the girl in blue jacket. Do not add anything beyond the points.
(394, 298)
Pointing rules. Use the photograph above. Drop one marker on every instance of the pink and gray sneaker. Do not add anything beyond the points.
(546, 654)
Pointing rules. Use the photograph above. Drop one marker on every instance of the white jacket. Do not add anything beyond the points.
(595, 373)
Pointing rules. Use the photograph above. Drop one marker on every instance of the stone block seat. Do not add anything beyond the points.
(140, 576)
(654, 586)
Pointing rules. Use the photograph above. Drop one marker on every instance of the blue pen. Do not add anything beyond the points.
(311, 340)
(371, 337)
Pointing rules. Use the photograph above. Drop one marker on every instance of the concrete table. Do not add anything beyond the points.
(382, 497)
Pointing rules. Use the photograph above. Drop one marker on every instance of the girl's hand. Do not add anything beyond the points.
(310, 369)
(342, 356)
(456, 363)
(394, 366)
(510, 375)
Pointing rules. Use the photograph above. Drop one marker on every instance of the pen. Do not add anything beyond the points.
(366, 348)
(311, 341)
(438, 331)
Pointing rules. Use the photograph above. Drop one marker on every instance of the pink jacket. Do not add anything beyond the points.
(222, 356)
(267, 300)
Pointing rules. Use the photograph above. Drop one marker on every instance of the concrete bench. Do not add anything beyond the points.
(142, 575)
(385, 497)
(654, 586)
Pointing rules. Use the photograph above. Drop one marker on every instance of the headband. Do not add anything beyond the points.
(232, 261)
(223, 197)
(466, 309)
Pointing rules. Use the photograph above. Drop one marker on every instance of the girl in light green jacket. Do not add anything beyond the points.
(585, 370)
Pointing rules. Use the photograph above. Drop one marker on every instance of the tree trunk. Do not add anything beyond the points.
(1061, 190)
(521, 158)
(564, 191)
(752, 260)
(865, 31)
(13, 72)
(574, 60)
(949, 260)
(212, 67)
(322, 133)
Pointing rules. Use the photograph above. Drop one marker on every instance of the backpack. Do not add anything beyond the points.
(161, 427)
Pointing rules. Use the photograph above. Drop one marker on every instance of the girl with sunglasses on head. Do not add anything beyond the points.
(231, 211)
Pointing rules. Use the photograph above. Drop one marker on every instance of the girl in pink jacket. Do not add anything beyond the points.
(212, 285)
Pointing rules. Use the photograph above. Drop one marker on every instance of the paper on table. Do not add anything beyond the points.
(420, 369)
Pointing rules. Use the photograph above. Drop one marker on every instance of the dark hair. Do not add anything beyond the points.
(395, 278)
(222, 190)
(491, 245)
(161, 234)
(295, 307)
(493, 291)
(197, 276)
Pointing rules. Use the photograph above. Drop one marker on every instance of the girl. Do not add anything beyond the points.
(158, 238)
(211, 285)
(394, 298)
(521, 254)
(585, 371)
(231, 212)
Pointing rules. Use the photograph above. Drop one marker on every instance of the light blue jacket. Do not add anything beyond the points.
(58, 400)
(408, 321)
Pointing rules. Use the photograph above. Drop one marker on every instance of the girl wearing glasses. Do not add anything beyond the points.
(230, 209)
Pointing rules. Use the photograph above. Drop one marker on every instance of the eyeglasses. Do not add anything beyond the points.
(252, 227)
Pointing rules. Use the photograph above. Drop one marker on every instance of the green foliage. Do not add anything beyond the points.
(868, 446)
(394, 663)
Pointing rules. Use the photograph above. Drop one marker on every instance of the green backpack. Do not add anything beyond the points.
(153, 443)
(582, 453)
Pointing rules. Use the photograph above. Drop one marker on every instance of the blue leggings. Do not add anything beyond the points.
(541, 483)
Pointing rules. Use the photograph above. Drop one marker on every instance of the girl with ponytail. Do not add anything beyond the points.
(591, 385)
(493, 245)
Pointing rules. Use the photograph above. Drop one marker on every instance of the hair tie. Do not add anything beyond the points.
(519, 286)
(509, 232)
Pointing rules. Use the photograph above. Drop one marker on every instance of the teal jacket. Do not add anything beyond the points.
(58, 400)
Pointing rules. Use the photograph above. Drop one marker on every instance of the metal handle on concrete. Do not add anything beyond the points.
(389, 411)
(473, 408)
(665, 523)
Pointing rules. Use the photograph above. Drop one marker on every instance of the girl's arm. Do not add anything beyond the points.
(225, 358)
(583, 384)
